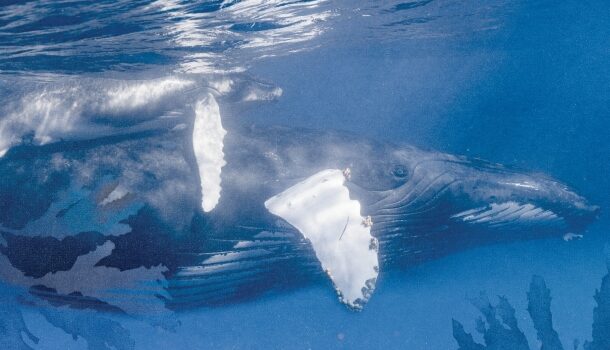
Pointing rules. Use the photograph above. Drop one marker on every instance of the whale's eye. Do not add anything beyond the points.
(400, 171)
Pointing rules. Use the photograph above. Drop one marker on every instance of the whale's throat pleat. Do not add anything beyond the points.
(508, 214)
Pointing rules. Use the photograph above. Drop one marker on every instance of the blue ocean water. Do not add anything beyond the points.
(514, 82)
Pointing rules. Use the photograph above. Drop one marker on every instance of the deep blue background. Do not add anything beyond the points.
(531, 90)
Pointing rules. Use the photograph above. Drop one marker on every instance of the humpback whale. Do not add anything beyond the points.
(192, 212)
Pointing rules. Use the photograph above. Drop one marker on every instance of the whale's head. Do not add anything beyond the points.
(434, 203)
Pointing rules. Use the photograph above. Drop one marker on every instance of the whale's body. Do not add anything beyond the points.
(126, 213)
(422, 205)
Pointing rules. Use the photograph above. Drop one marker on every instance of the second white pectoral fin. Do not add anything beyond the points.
(208, 143)
(321, 209)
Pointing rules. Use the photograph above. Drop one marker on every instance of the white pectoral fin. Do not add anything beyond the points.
(321, 209)
(208, 143)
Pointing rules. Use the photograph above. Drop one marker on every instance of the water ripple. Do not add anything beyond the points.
(214, 36)
(210, 36)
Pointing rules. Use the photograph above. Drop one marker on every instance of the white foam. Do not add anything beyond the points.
(208, 137)
(321, 209)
